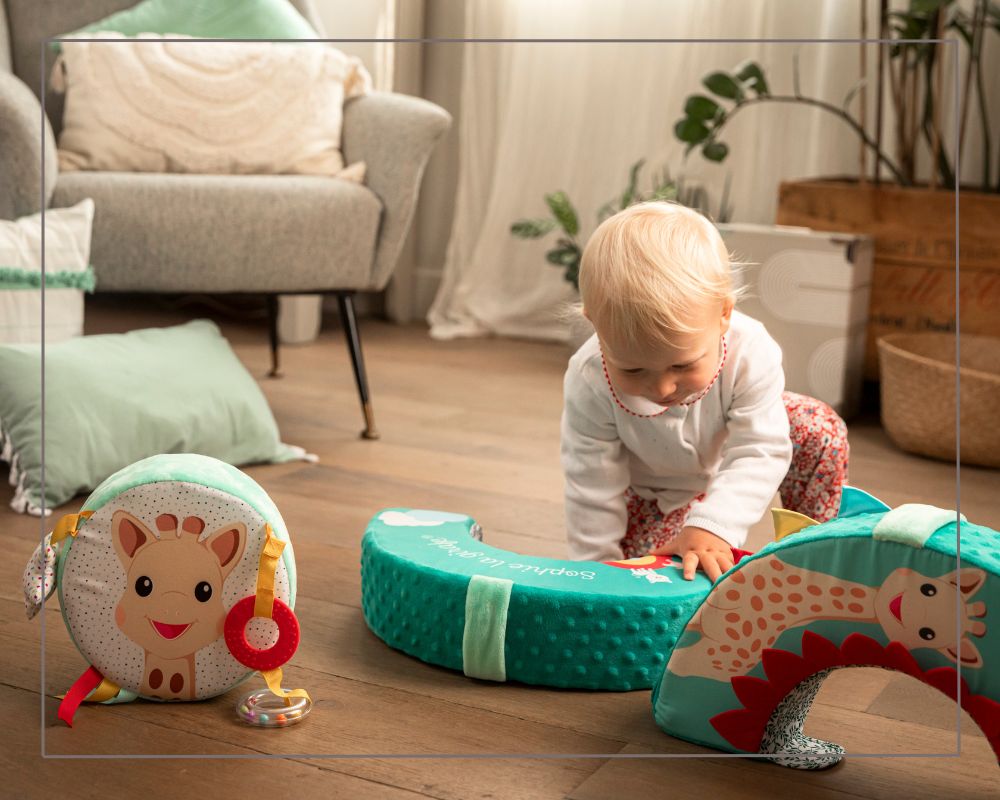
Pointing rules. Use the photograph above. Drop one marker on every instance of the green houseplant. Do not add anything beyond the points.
(909, 211)
(567, 251)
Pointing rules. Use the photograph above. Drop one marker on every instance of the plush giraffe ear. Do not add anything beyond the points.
(227, 544)
(971, 657)
(967, 581)
(128, 535)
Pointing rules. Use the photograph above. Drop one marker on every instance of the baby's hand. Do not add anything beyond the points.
(696, 545)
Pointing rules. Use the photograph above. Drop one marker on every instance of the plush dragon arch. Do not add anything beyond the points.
(873, 587)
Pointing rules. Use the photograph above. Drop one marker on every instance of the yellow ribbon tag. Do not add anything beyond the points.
(272, 678)
(69, 525)
(105, 691)
(266, 571)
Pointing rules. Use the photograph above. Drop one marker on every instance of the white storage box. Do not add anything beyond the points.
(811, 290)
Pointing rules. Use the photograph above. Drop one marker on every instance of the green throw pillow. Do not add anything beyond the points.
(113, 399)
(208, 19)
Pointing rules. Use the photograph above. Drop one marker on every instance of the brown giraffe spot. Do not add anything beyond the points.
(777, 617)
(732, 616)
(814, 589)
(177, 681)
(193, 525)
(725, 648)
(838, 605)
(756, 603)
(780, 628)
(762, 623)
(755, 646)
(732, 634)
(774, 597)
(770, 640)
(738, 577)
(716, 663)
(711, 651)
(759, 582)
(837, 591)
(815, 607)
(732, 594)
(777, 582)
(775, 564)
(858, 592)
(736, 664)
(794, 579)
(747, 628)
(155, 679)
(857, 608)
(743, 653)
(795, 597)
(733, 669)
(793, 610)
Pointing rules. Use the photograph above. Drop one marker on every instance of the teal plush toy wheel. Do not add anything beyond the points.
(432, 589)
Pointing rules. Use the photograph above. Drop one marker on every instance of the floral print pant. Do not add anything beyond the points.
(811, 486)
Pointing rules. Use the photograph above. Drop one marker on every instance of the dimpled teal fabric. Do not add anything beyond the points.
(574, 625)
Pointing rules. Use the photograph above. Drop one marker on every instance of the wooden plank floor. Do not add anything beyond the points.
(468, 426)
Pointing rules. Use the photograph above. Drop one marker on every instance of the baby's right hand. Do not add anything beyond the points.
(696, 546)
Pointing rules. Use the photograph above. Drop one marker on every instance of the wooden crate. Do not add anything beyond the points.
(913, 282)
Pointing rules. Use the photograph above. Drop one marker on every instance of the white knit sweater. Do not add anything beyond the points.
(733, 444)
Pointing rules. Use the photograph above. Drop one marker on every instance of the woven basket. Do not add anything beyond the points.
(918, 395)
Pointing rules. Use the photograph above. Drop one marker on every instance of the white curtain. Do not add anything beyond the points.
(538, 117)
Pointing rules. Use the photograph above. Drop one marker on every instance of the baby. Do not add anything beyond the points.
(676, 431)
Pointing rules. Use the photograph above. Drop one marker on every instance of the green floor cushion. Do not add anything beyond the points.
(875, 587)
(113, 399)
(151, 573)
(432, 589)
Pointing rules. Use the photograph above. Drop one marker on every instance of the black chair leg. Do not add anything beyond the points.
(345, 302)
(272, 327)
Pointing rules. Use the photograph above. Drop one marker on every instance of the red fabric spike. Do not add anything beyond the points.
(819, 652)
(756, 693)
(784, 669)
(943, 679)
(862, 650)
(986, 714)
(741, 728)
(898, 657)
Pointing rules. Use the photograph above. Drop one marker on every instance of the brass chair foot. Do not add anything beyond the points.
(370, 431)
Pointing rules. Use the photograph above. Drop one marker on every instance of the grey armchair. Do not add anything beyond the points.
(284, 234)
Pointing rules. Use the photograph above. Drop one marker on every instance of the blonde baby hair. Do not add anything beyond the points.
(648, 267)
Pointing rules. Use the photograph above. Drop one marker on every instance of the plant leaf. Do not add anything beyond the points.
(532, 228)
(724, 85)
(692, 131)
(750, 73)
(564, 212)
(715, 151)
(700, 107)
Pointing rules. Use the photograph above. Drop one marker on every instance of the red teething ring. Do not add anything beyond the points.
(261, 660)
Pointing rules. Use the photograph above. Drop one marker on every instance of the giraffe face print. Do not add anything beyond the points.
(919, 611)
(172, 605)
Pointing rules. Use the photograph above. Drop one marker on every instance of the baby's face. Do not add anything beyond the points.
(668, 375)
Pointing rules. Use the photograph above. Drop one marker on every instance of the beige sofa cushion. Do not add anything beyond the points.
(205, 107)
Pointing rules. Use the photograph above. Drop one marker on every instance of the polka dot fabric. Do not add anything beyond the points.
(96, 593)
